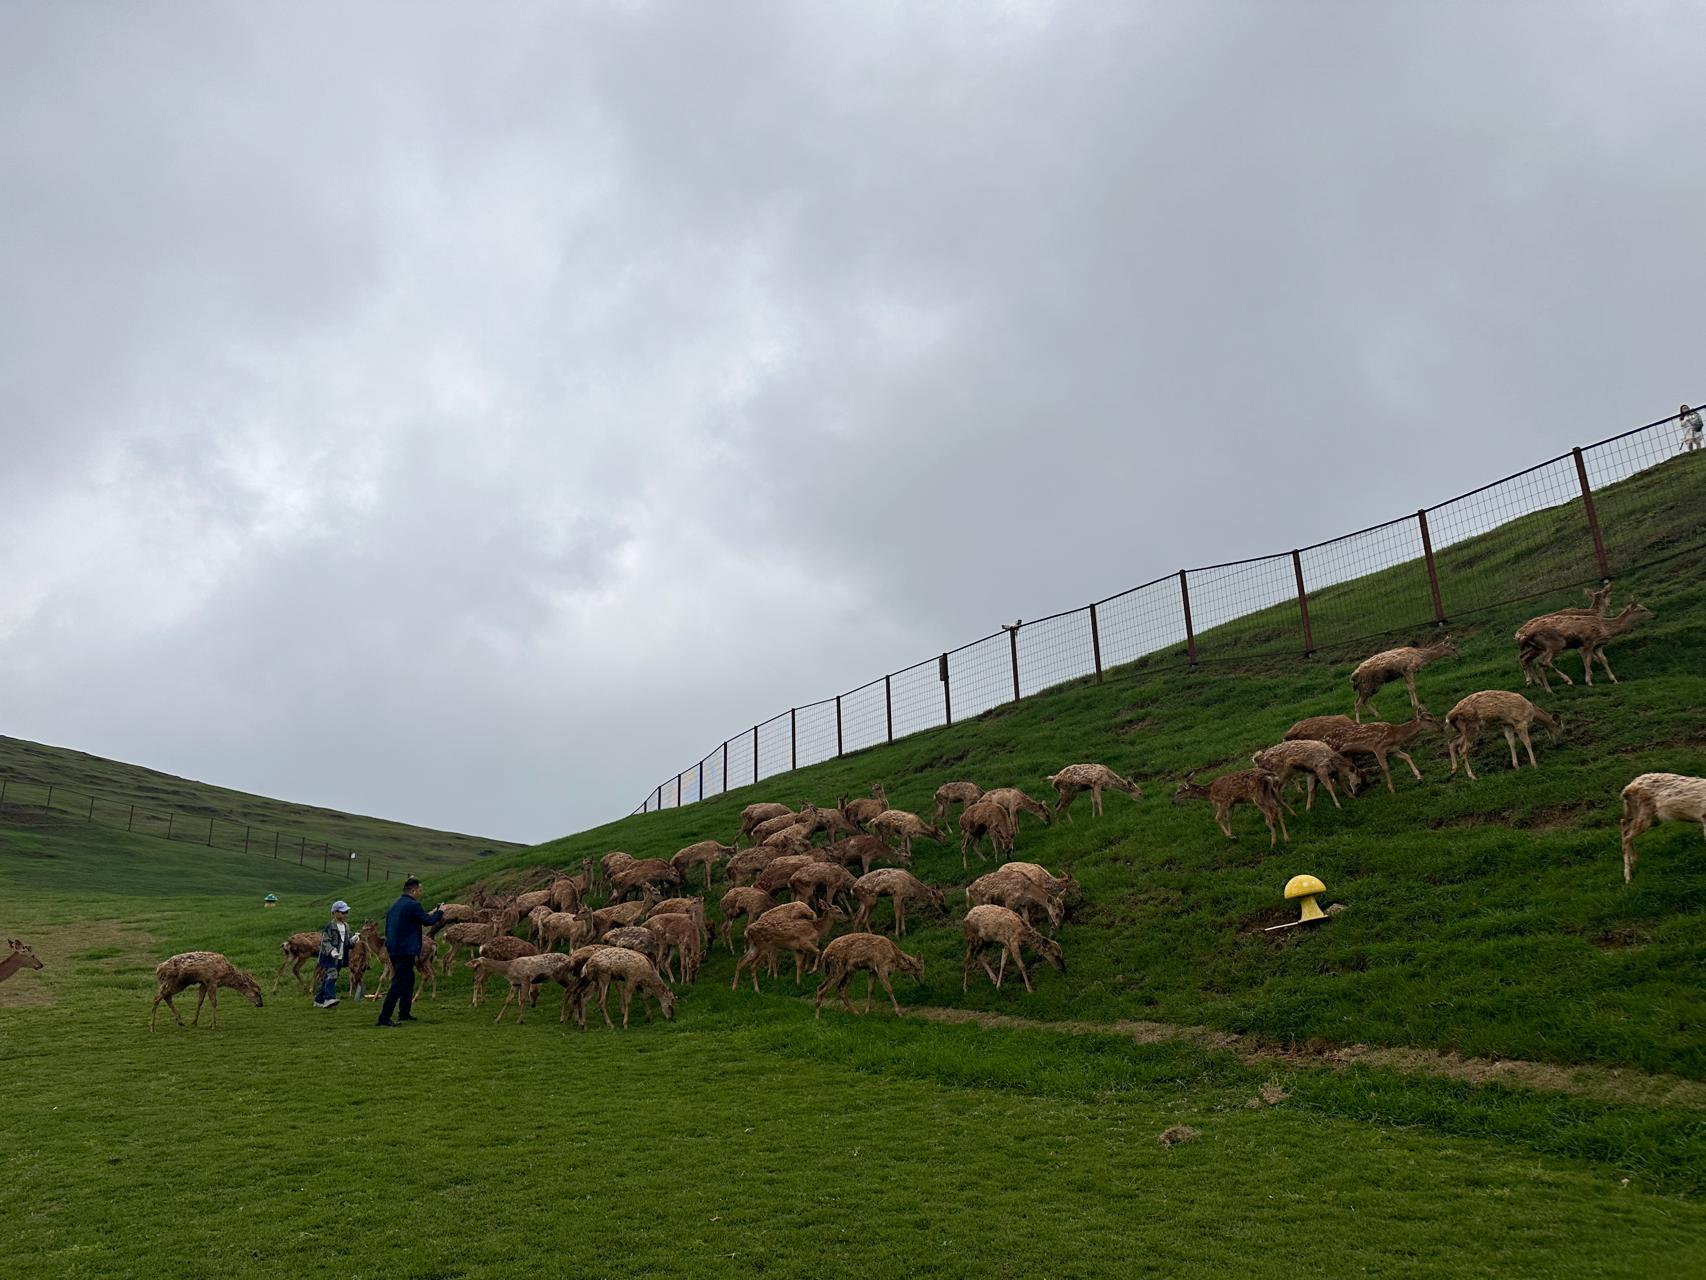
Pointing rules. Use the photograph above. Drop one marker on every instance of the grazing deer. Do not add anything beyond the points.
(1315, 761)
(754, 814)
(862, 810)
(1088, 777)
(742, 900)
(771, 933)
(1018, 893)
(1510, 711)
(952, 793)
(871, 952)
(1015, 802)
(992, 925)
(502, 949)
(706, 854)
(901, 828)
(1543, 640)
(985, 818)
(1347, 737)
(1659, 797)
(1396, 664)
(1251, 786)
(634, 973)
(902, 887)
(207, 969)
(18, 956)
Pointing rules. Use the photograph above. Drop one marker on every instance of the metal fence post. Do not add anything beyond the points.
(131, 821)
(91, 816)
(169, 819)
(1593, 515)
(369, 874)
(793, 738)
(1096, 644)
(1303, 604)
(2, 791)
(725, 765)
(755, 753)
(888, 704)
(1013, 653)
(838, 725)
(245, 839)
(49, 803)
(1433, 573)
(210, 833)
(947, 700)
(326, 857)
(701, 780)
(1190, 631)
(660, 797)
(301, 849)
(275, 836)
(678, 791)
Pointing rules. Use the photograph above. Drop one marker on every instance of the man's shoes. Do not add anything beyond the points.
(319, 1003)
(383, 1023)
(330, 1003)
(408, 1017)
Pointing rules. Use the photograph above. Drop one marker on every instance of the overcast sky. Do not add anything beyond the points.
(472, 414)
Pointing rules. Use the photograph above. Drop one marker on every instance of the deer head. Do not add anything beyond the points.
(914, 965)
(246, 984)
(21, 952)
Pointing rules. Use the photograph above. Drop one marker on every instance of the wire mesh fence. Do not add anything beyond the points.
(27, 801)
(1602, 509)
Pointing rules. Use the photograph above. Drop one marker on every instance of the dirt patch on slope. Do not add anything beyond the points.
(1604, 1084)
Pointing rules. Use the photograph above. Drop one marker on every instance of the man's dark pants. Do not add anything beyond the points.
(401, 995)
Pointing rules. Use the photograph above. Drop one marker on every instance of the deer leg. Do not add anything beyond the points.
(196, 1021)
(1405, 757)
(889, 987)
(1286, 835)
(627, 1002)
(213, 1005)
(1220, 820)
(604, 999)
(1328, 781)
(1410, 684)
(870, 987)
(1023, 972)
(1003, 970)
(1600, 654)
(899, 917)
(1356, 711)
(965, 967)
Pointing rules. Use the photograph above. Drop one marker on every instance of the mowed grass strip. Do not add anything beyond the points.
(457, 1148)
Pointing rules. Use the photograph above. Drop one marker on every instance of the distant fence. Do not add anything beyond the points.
(1417, 570)
(28, 796)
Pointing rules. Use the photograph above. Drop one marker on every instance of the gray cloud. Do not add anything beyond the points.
(470, 419)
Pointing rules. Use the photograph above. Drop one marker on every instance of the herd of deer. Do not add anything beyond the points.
(1318, 750)
(792, 891)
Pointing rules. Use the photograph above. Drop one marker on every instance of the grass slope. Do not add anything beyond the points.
(747, 1138)
(116, 787)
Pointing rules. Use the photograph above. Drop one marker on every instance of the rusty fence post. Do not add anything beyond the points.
(1190, 631)
(1013, 651)
(947, 700)
(1303, 604)
(888, 705)
(793, 738)
(1593, 515)
(1433, 571)
(1096, 644)
(838, 749)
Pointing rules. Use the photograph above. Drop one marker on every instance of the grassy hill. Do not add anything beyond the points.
(1007, 1134)
(141, 801)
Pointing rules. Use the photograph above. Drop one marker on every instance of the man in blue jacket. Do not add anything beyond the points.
(403, 943)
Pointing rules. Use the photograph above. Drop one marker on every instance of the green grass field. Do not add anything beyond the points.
(1530, 1101)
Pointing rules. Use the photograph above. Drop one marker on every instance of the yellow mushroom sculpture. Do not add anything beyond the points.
(1305, 887)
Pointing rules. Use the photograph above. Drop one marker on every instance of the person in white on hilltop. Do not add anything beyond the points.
(1690, 422)
(334, 955)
